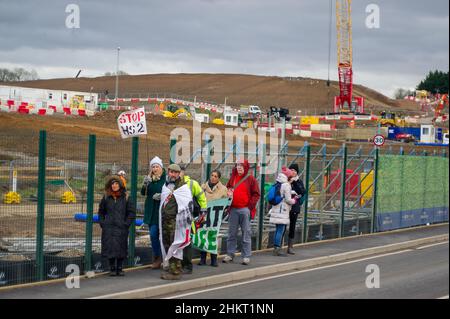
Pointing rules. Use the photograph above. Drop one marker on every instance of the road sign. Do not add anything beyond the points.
(378, 140)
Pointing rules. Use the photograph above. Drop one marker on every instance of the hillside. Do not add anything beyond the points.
(310, 95)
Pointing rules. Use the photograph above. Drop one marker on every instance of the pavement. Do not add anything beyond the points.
(145, 283)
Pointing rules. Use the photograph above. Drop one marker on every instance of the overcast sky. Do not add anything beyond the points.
(263, 37)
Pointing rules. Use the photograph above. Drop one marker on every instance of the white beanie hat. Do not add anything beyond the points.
(156, 160)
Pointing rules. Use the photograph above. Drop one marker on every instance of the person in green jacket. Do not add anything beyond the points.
(200, 206)
(152, 187)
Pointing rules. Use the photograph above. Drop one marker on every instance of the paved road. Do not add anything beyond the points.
(144, 278)
(412, 273)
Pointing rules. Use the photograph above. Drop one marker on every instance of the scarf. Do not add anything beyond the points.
(182, 237)
(211, 185)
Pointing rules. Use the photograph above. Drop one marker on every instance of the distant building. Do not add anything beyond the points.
(48, 98)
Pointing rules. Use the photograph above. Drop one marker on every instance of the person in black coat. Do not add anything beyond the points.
(116, 213)
(299, 189)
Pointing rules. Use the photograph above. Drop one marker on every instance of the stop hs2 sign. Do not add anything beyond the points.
(378, 140)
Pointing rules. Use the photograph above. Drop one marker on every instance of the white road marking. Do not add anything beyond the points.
(288, 274)
(444, 297)
(432, 245)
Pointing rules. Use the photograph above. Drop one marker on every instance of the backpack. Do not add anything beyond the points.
(274, 194)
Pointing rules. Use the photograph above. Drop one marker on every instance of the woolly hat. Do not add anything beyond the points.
(294, 167)
(156, 160)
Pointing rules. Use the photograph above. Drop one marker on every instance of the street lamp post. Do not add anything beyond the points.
(117, 79)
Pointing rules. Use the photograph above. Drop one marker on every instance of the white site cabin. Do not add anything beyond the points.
(230, 117)
(427, 134)
(44, 98)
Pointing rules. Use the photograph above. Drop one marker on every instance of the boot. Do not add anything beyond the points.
(119, 270)
(277, 252)
(290, 249)
(157, 261)
(170, 276)
(112, 267)
(214, 260)
(202, 259)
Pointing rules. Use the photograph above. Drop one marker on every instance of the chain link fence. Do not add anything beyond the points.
(50, 192)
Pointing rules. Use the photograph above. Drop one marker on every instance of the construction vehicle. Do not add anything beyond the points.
(405, 137)
(390, 119)
(345, 102)
(174, 111)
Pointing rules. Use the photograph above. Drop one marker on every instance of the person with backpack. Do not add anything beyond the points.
(244, 190)
(299, 189)
(281, 207)
(116, 214)
(200, 209)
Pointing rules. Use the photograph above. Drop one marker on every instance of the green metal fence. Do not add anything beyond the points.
(50, 194)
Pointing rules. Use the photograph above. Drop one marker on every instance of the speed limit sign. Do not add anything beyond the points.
(378, 140)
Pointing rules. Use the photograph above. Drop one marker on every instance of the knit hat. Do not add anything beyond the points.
(174, 167)
(156, 160)
(294, 167)
(286, 171)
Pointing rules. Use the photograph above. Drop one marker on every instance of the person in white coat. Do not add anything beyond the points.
(279, 214)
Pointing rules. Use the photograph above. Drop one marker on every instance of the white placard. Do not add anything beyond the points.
(132, 123)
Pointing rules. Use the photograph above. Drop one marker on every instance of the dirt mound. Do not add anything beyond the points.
(310, 95)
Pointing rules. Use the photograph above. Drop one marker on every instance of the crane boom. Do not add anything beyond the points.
(345, 59)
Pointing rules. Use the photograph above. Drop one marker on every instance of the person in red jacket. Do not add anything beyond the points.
(244, 190)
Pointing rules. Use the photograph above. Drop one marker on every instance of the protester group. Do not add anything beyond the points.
(176, 205)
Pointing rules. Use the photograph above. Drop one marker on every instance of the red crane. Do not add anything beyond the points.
(345, 102)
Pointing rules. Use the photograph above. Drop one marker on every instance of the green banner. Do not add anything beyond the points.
(407, 183)
(205, 238)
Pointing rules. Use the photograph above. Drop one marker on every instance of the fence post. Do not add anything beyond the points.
(262, 198)
(133, 197)
(173, 154)
(90, 203)
(375, 190)
(41, 205)
(208, 141)
(307, 171)
(343, 187)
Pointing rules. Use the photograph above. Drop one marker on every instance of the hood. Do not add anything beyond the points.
(109, 182)
(246, 168)
(282, 178)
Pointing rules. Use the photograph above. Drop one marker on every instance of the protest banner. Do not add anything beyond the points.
(132, 123)
(206, 237)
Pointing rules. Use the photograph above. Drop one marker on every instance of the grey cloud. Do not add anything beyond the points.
(259, 36)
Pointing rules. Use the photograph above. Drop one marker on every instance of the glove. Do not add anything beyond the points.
(146, 179)
(157, 196)
(201, 219)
